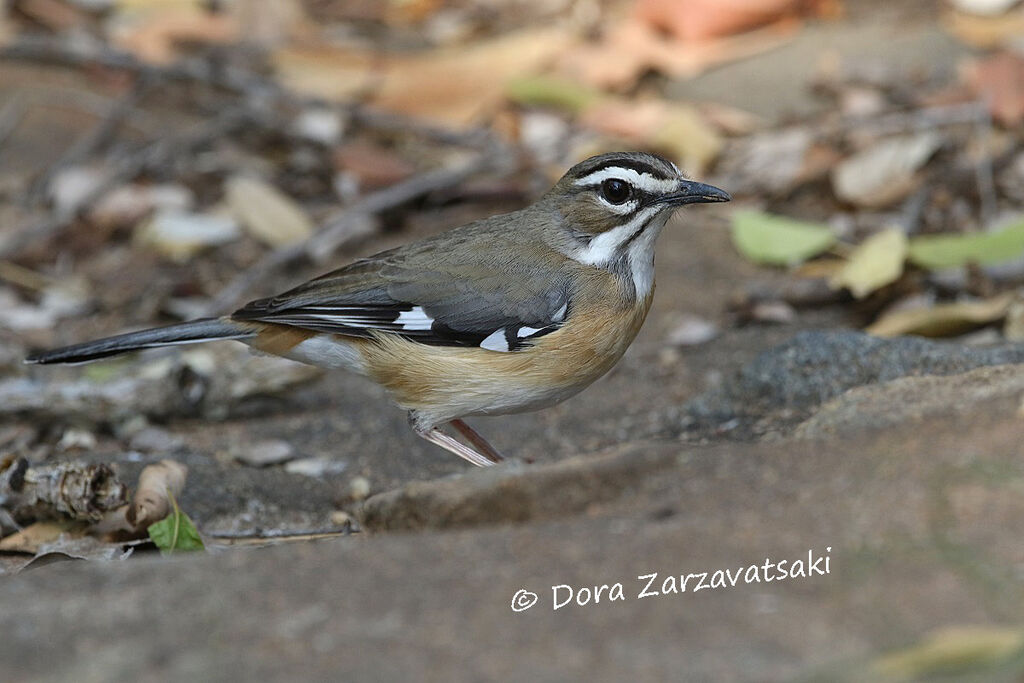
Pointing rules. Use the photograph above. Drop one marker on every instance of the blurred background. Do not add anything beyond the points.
(830, 358)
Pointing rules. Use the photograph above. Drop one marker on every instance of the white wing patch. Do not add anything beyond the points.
(414, 319)
(642, 181)
(496, 341)
(499, 339)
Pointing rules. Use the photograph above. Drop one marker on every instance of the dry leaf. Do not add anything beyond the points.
(634, 47)
(873, 264)
(462, 86)
(702, 19)
(949, 651)
(999, 81)
(372, 165)
(675, 128)
(985, 32)
(327, 72)
(152, 502)
(154, 34)
(943, 320)
(267, 213)
(34, 536)
(884, 172)
(179, 235)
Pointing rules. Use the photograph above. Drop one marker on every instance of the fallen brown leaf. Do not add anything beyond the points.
(943, 320)
(460, 86)
(702, 19)
(634, 47)
(999, 81)
(157, 483)
(984, 32)
(155, 34)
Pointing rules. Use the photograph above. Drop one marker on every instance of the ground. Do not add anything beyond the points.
(918, 507)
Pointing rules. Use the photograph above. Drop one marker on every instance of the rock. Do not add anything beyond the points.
(512, 492)
(691, 331)
(784, 384)
(264, 453)
(319, 124)
(155, 440)
(910, 399)
(359, 488)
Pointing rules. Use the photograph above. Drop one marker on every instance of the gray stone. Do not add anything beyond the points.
(787, 382)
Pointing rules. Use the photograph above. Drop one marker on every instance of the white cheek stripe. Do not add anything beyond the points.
(642, 181)
(606, 245)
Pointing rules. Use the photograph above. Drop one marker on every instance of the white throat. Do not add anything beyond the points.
(603, 250)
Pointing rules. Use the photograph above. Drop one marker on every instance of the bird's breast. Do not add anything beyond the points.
(445, 382)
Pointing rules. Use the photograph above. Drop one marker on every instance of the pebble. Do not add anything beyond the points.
(315, 467)
(265, 453)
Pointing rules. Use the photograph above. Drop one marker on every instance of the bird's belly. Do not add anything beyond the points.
(444, 382)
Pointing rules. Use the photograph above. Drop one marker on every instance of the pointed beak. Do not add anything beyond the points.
(690, 192)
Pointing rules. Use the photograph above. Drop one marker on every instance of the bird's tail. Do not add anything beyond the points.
(207, 329)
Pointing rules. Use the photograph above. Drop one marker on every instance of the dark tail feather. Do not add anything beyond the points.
(207, 329)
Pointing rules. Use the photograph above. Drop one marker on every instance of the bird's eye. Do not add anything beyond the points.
(616, 191)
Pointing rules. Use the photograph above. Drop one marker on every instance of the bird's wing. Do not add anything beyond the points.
(437, 293)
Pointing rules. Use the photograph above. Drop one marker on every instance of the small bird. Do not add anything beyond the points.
(507, 314)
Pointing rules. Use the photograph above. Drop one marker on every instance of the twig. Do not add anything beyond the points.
(95, 139)
(155, 154)
(983, 171)
(346, 225)
(97, 54)
(238, 81)
(69, 490)
(919, 119)
(10, 116)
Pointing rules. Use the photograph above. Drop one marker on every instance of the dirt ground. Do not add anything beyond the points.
(918, 509)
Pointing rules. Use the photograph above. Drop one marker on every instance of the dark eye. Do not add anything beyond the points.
(616, 191)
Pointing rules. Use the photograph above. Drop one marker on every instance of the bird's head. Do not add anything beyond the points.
(608, 202)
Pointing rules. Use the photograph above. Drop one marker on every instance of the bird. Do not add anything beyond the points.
(507, 314)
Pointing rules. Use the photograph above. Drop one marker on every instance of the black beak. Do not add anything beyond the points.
(695, 193)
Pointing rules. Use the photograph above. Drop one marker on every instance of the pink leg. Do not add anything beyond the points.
(439, 438)
(477, 440)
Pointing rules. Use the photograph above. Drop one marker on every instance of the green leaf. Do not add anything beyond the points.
(545, 91)
(175, 532)
(764, 238)
(984, 248)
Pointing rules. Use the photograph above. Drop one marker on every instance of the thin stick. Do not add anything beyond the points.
(154, 154)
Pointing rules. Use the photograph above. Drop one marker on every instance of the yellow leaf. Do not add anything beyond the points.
(952, 650)
(944, 320)
(874, 264)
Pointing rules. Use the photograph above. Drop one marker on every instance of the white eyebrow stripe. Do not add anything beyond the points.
(642, 181)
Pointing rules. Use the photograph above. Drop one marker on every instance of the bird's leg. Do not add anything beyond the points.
(439, 438)
(477, 440)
